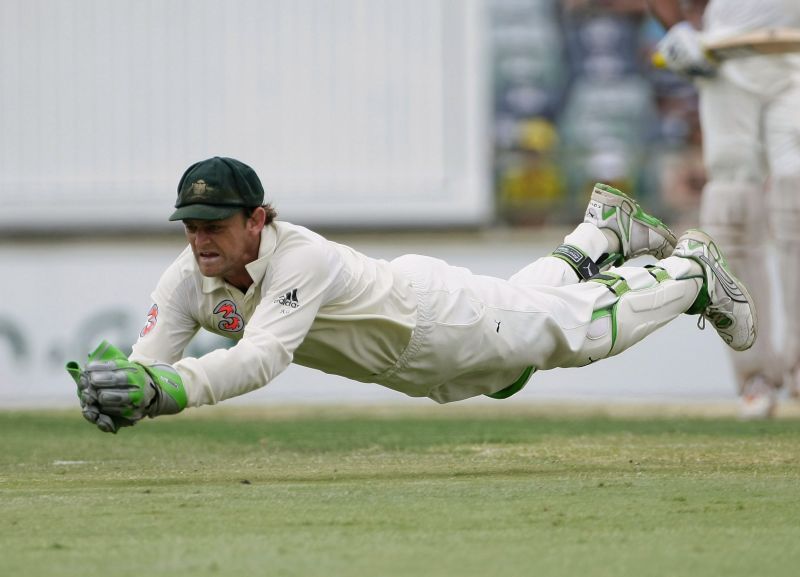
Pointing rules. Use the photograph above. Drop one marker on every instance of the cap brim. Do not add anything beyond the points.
(204, 212)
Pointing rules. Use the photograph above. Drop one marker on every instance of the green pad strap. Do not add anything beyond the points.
(607, 260)
(613, 282)
(657, 273)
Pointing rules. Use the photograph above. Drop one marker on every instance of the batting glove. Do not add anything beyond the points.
(115, 392)
(683, 52)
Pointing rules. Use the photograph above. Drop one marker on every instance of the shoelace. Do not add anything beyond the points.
(716, 313)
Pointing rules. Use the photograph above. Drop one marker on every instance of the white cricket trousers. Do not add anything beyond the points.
(477, 335)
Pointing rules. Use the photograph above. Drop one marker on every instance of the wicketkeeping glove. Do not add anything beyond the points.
(682, 51)
(115, 392)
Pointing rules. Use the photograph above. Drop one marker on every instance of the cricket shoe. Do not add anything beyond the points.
(758, 399)
(723, 299)
(638, 232)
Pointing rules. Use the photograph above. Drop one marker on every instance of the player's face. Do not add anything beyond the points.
(222, 248)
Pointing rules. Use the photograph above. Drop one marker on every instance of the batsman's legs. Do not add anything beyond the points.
(734, 212)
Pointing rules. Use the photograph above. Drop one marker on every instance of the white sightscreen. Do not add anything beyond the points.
(353, 112)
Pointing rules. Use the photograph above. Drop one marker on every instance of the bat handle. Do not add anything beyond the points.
(658, 60)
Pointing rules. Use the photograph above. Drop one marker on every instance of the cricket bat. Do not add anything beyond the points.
(756, 43)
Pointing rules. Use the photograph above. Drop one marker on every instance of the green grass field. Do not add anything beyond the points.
(399, 492)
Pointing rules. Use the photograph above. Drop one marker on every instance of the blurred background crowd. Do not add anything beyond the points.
(577, 100)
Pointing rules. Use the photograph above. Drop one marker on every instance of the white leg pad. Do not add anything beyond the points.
(640, 312)
(619, 322)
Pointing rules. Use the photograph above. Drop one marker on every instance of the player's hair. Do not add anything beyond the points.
(268, 208)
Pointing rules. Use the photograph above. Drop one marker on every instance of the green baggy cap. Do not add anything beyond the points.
(217, 188)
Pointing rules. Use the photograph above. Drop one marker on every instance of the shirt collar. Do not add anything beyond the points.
(257, 268)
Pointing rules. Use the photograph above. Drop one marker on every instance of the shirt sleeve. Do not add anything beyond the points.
(170, 324)
(298, 284)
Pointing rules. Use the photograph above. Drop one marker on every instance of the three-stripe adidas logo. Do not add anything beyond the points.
(289, 299)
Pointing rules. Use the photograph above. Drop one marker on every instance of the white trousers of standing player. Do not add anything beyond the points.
(750, 118)
(477, 335)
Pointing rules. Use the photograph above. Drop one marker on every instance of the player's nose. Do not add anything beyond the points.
(202, 238)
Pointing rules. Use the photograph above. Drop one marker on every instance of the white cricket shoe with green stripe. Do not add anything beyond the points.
(638, 232)
(723, 299)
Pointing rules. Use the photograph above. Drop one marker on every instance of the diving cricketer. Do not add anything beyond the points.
(414, 324)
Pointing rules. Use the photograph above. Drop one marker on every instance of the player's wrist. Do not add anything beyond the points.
(169, 394)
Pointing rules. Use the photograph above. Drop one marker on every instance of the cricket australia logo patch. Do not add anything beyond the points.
(152, 319)
(288, 301)
(232, 321)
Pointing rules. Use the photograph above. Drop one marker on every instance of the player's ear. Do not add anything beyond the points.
(257, 218)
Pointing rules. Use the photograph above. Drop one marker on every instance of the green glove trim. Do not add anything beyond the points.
(105, 351)
(74, 370)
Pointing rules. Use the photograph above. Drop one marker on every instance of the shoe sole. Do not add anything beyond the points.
(617, 198)
(731, 281)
